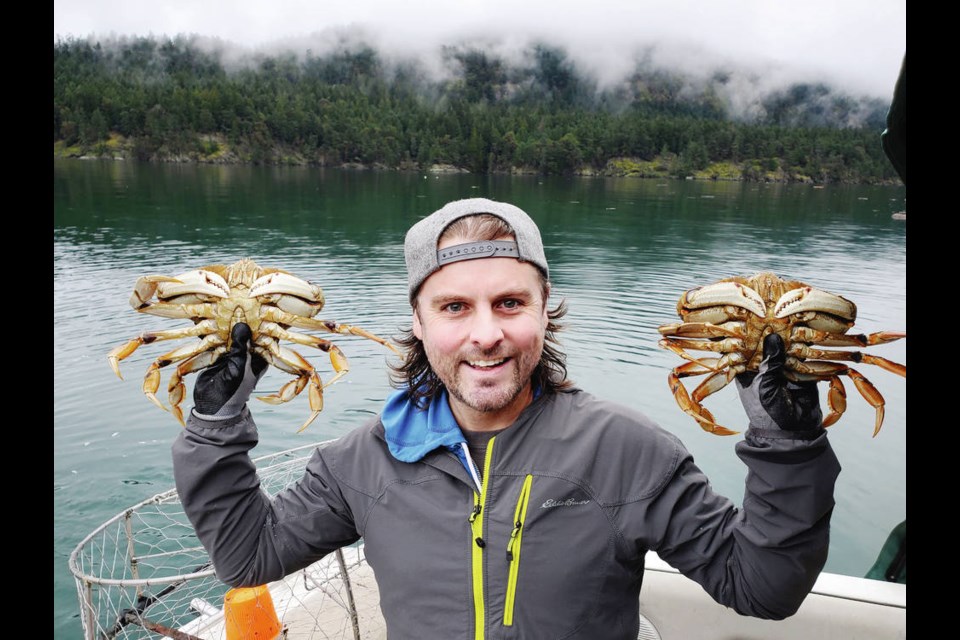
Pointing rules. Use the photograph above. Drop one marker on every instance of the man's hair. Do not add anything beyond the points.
(415, 372)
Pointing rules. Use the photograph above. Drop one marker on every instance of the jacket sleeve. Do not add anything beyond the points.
(762, 559)
(251, 538)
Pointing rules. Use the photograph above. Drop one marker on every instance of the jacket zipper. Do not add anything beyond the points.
(478, 543)
(513, 549)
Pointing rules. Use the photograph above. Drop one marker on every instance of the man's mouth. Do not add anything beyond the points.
(486, 364)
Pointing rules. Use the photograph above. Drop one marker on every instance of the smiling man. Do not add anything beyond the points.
(480, 323)
(494, 498)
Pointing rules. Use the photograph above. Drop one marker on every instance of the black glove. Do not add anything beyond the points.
(224, 387)
(773, 402)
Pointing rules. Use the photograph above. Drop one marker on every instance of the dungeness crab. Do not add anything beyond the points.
(215, 298)
(733, 316)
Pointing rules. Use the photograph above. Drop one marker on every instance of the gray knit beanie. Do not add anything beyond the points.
(423, 258)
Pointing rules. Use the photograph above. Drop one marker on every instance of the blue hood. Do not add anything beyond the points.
(412, 433)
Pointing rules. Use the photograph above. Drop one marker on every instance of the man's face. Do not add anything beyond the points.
(482, 323)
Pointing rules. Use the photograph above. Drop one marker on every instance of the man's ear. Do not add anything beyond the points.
(546, 298)
(417, 328)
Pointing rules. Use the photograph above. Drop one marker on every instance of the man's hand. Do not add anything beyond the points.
(224, 387)
(773, 402)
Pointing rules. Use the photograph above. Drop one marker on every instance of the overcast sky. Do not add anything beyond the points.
(858, 44)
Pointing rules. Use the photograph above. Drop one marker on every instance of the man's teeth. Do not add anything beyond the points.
(486, 363)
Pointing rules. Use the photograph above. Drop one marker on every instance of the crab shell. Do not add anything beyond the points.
(216, 297)
(733, 316)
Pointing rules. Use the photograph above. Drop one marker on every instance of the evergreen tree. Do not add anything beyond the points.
(170, 97)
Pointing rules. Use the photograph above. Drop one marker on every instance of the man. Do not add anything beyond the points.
(494, 498)
(894, 137)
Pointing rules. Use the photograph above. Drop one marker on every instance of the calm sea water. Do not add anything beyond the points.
(621, 252)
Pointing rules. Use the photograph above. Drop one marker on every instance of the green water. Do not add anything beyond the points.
(621, 251)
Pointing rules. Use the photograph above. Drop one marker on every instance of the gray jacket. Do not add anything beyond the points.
(574, 494)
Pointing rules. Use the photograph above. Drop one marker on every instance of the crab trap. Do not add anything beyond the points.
(144, 574)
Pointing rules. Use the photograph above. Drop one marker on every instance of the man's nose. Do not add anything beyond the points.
(486, 332)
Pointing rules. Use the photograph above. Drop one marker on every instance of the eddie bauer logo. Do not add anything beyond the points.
(569, 502)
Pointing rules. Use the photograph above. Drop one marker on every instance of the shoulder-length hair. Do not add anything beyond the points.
(416, 374)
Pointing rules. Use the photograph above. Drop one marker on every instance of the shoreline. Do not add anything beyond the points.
(218, 152)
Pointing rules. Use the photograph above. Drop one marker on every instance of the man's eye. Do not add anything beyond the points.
(511, 304)
(454, 307)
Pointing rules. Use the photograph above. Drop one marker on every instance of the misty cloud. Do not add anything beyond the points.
(854, 44)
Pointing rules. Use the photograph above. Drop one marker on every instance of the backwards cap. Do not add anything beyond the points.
(420, 246)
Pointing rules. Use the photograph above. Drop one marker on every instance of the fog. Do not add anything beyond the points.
(853, 45)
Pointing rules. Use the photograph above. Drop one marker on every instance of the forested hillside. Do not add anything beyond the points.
(179, 100)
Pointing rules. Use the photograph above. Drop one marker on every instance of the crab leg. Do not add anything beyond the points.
(697, 368)
(292, 362)
(804, 351)
(836, 394)
(174, 310)
(727, 345)
(713, 383)
(714, 315)
(337, 359)
(293, 304)
(716, 381)
(147, 337)
(271, 345)
(825, 338)
(715, 364)
(824, 370)
(279, 316)
(870, 394)
(692, 406)
(704, 330)
(175, 387)
(151, 380)
(824, 322)
(666, 344)
(836, 400)
(694, 409)
(288, 361)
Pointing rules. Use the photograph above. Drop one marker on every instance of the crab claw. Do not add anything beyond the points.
(196, 282)
(810, 299)
(721, 293)
(144, 289)
(286, 283)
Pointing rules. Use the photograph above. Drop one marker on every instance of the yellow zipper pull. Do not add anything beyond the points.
(476, 512)
(513, 540)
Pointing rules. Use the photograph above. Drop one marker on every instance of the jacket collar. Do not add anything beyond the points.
(411, 432)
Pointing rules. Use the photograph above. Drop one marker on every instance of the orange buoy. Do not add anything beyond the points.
(250, 615)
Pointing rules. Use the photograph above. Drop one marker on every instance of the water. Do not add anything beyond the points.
(621, 251)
